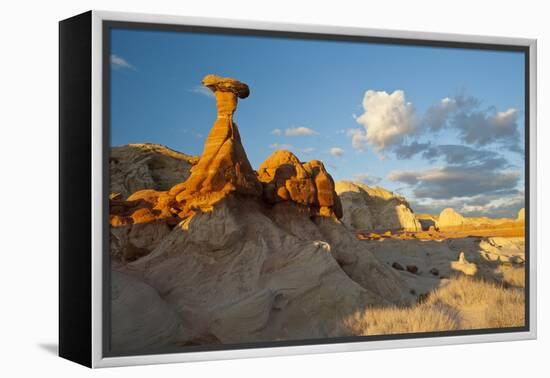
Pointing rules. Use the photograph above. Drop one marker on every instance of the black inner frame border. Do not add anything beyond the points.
(108, 25)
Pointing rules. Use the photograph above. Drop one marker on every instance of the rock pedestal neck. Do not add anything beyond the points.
(223, 167)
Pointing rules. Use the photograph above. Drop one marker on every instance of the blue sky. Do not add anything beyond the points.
(442, 126)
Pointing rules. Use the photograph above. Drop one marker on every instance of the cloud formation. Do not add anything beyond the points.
(119, 62)
(299, 131)
(475, 206)
(336, 151)
(203, 91)
(290, 147)
(367, 178)
(407, 151)
(358, 139)
(458, 154)
(458, 181)
(486, 127)
(473, 124)
(387, 119)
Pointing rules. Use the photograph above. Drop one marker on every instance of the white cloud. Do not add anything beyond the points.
(336, 151)
(119, 62)
(300, 131)
(290, 147)
(277, 132)
(358, 139)
(387, 119)
(279, 146)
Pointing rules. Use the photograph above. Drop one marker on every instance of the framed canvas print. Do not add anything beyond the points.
(235, 189)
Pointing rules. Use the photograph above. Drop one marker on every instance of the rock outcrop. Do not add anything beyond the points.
(223, 167)
(464, 266)
(285, 178)
(366, 208)
(239, 273)
(521, 215)
(450, 218)
(140, 319)
(139, 223)
(135, 167)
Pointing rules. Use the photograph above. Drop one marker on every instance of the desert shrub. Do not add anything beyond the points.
(463, 303)
(512, 275)
(395, 320)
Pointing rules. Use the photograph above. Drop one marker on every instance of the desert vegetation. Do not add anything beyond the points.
(460, 303)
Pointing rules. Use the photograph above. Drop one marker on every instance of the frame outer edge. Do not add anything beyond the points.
(533, 223)
(97, 139)
(97, 191)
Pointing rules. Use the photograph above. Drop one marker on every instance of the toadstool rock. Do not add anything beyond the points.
(223, 167)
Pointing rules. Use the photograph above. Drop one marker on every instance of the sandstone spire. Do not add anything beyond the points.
(223, 166)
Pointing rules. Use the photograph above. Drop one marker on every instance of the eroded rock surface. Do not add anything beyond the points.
(450, 218)
(238, 273)
(285, 178)
(223, 167)
(464, 266)
(135, 167)
(140, 318)
(366, 208)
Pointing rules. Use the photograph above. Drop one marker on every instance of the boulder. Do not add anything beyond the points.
(366, 208)
(285, 178)
(464, 266)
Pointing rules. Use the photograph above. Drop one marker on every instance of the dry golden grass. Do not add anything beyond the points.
(512, 275)
(395, 320)
(463, 303)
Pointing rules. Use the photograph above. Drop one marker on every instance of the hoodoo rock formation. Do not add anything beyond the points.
(253, 256)
(366, 208)
(285, 178)
(223, 166)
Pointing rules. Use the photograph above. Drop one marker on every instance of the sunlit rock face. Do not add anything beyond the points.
(368, 208)
(285, 178)
(450, 218)
(223, 167)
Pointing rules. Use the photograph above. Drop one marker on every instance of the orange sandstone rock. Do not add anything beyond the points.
(285, 178)
(223, 166)
(144, 206)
